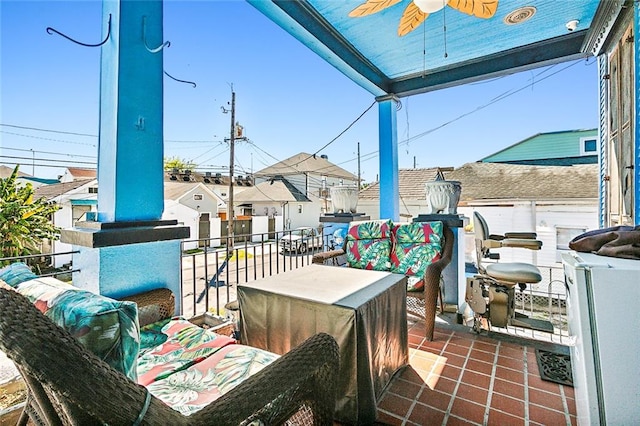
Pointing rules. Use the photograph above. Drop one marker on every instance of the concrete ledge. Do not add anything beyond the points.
(103, 234)
(343, 217)
(451, 220)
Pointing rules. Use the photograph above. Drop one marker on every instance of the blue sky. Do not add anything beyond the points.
(287, 98)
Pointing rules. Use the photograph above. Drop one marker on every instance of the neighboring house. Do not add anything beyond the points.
(411, 185)
(36, 182)
(313, 176)
(191, 204)
(216, 182)
(557, 202)
(77, 173)
(279, 200)
(195, 205)
(563, 148)
(24, 178)
(75, 198)
(5, 172)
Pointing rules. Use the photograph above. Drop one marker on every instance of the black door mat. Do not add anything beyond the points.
(554, 367)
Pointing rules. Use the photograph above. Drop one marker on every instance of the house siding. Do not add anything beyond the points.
(544, 218)
(544, 146)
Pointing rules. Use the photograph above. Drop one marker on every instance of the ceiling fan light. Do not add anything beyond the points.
(430, 6)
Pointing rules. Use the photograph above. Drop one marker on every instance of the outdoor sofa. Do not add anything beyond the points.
(419, 250)
(89, 359)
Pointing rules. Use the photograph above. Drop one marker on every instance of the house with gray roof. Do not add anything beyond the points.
(313, 175)
(190, 203)
(24, 178)
(307, 174)
(75, 198)
(197, 206)
(556, 202)
(280, 201)
(411, 185)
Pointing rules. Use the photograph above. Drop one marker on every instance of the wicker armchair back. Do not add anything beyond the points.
(70, 385)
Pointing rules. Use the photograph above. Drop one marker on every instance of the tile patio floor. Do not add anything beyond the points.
(462, 378)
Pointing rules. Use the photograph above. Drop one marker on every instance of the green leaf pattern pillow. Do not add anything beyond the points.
(369, 245)
(107, 327)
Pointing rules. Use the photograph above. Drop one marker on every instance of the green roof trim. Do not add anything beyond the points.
(84, 202)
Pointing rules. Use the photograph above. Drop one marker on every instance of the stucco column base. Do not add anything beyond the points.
(124, 258)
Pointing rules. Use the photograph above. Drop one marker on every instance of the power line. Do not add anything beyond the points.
(47, 159)
(47, 139)
(47, 130)
(49, 152)
(29, 164)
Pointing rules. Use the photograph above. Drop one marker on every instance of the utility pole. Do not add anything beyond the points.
(232, 137)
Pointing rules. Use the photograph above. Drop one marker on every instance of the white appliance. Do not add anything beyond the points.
(603, 308)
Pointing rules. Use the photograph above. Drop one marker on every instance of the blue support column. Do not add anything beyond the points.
(636, 106)
(130, 169)
(129, 249)
(387, 128)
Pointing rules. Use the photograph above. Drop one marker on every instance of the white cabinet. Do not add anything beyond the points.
(603, 308)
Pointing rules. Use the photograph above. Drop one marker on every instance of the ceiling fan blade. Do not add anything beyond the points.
(411, 19)
(479, 8)
(372, 6)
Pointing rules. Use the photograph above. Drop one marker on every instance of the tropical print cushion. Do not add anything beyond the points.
(192, 389)
(369, 245)
(107, 327)
(417, 245)
(16, 273)
(181, 345)
(415, 284)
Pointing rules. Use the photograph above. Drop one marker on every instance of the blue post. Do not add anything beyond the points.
(129, 249)
(387, 128)
(636, 136)
(130, 169)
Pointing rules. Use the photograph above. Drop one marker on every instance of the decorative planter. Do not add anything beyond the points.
(442, 196)
(344, 198)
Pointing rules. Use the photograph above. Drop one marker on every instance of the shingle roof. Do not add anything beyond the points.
(306, 163)
(56, 189)
(279, 189)
(502, 181)
(5, 172)
(175, 190)
(410, 181)
(508, 181)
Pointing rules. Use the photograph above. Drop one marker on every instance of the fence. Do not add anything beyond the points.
(210, 276)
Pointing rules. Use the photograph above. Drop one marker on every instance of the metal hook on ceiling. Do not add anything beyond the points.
(144, 38)
(53, 30)
(178, 80)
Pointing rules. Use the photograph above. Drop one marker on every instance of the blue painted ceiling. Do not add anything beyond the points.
(397, 49)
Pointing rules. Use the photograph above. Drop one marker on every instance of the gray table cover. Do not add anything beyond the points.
(365, 311)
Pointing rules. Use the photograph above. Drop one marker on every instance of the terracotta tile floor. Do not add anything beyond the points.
(465, 378)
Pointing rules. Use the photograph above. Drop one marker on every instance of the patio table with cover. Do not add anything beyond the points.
(365, 311)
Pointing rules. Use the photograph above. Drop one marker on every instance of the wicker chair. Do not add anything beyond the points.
(419, 303)
(70, 385)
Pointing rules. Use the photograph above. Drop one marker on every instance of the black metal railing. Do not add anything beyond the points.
(210, 275)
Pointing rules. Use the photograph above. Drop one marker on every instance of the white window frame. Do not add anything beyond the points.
(582, 146)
